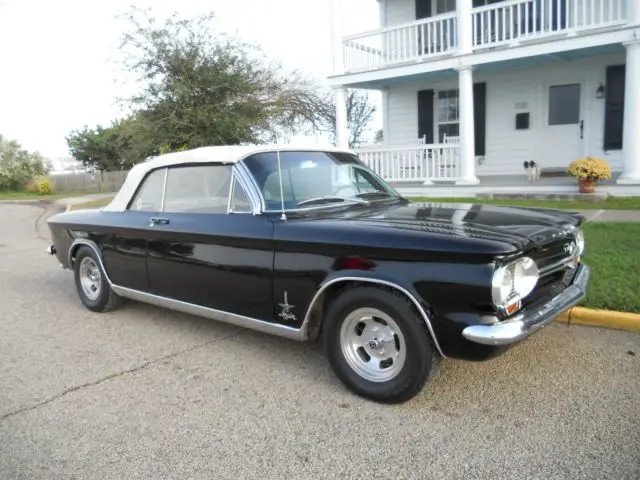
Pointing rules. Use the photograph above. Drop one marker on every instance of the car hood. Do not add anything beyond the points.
(520, 227)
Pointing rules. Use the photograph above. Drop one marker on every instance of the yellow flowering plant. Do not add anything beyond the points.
(590, 168)
(44, 186)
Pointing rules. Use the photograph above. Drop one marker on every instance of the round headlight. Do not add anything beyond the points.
(580, 242)
(525, 276)
(514, 281)
(502, 285)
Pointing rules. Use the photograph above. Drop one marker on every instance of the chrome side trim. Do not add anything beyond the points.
(210, 313)
(164, 188)
(91, 244)
(251, 186)
(240, 181)
(189, 308)
(239, 320)
(425, 317)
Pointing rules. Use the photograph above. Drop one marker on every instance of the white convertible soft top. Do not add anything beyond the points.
(214, 154)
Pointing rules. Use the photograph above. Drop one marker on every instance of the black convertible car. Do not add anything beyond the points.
(309, 242)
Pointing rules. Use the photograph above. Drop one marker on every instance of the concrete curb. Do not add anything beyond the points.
(602, 318)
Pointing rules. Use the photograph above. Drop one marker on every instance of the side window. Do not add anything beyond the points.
(149, 196)
(198, 189)
(240, 202)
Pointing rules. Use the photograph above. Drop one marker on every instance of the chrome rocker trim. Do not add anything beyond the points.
(210, 313)
(189, 308)
(531, 320)
(300, 334)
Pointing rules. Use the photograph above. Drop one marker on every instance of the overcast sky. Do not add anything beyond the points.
(55, 74)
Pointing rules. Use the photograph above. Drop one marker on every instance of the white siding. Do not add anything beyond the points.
(506, 147)
(397, 12)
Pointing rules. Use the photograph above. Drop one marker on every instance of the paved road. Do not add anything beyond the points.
(145, 393)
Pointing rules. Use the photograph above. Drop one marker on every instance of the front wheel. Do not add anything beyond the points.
(378, 344)
(91, 282)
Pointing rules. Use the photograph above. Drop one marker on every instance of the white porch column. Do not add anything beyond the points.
(336, 36)
(633, 12)
(465, 27)
(385, 116)
(342, 127)
(467, 129)
(631, 127)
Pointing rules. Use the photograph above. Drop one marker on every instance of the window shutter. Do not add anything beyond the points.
(614, 108)
(425, 115)
(480, 117)
(423, 9)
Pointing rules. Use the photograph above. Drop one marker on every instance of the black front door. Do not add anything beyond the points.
(200, 254)
(124, 247)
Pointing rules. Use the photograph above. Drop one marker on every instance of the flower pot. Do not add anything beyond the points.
(587, 186)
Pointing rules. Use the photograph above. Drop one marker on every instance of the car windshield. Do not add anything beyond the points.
(313, 179)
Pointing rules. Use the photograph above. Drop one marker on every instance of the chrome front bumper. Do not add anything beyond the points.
(531, 319)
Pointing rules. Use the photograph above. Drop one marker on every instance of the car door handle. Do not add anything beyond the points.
(159, 221)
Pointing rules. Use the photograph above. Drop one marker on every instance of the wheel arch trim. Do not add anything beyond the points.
(387, 283)
(79, 242)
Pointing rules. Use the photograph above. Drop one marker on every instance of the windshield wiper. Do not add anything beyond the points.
(376, 193)
(331, 199)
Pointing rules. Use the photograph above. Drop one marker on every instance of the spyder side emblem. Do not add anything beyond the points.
(285, 309)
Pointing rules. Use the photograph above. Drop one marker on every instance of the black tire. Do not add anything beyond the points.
(421, 356)
(104, 299)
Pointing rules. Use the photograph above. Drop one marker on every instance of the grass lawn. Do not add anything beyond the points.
(612, 250)
(34, 196)
(611, 203)
(100, 202)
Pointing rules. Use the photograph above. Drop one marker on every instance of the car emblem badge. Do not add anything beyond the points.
(285, 312)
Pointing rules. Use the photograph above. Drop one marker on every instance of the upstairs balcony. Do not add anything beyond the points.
(507, 23)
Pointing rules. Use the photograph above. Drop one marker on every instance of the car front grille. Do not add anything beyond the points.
(556, 266)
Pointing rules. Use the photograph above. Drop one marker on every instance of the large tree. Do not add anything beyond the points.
(196, 88)
(107, 148)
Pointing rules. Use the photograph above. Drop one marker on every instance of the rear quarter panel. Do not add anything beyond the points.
(119, 236)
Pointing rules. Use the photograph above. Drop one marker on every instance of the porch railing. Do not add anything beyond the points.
(492, 25)
(432, 36)
(414, 163)
(513, 20)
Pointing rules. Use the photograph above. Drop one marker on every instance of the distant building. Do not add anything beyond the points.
(478, 87)
(61, 165)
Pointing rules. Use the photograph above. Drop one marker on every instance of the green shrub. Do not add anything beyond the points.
(17, 166)
(43, 186)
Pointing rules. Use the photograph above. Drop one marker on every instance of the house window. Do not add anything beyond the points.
(564, 104)
(448, 114)
(445, 6)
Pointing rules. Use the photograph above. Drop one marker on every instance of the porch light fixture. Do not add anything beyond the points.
(600, 91)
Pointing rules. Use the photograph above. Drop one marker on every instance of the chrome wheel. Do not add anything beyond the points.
(90, 278)
(373, 344)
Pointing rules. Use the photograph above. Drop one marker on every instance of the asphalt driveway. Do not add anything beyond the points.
(147, 393)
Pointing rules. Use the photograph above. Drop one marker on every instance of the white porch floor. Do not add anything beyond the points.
(514, 185)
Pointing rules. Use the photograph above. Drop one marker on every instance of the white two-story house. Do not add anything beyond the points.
(478, 87)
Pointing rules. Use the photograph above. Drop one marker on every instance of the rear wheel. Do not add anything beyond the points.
(91, 282)
(378, 344)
